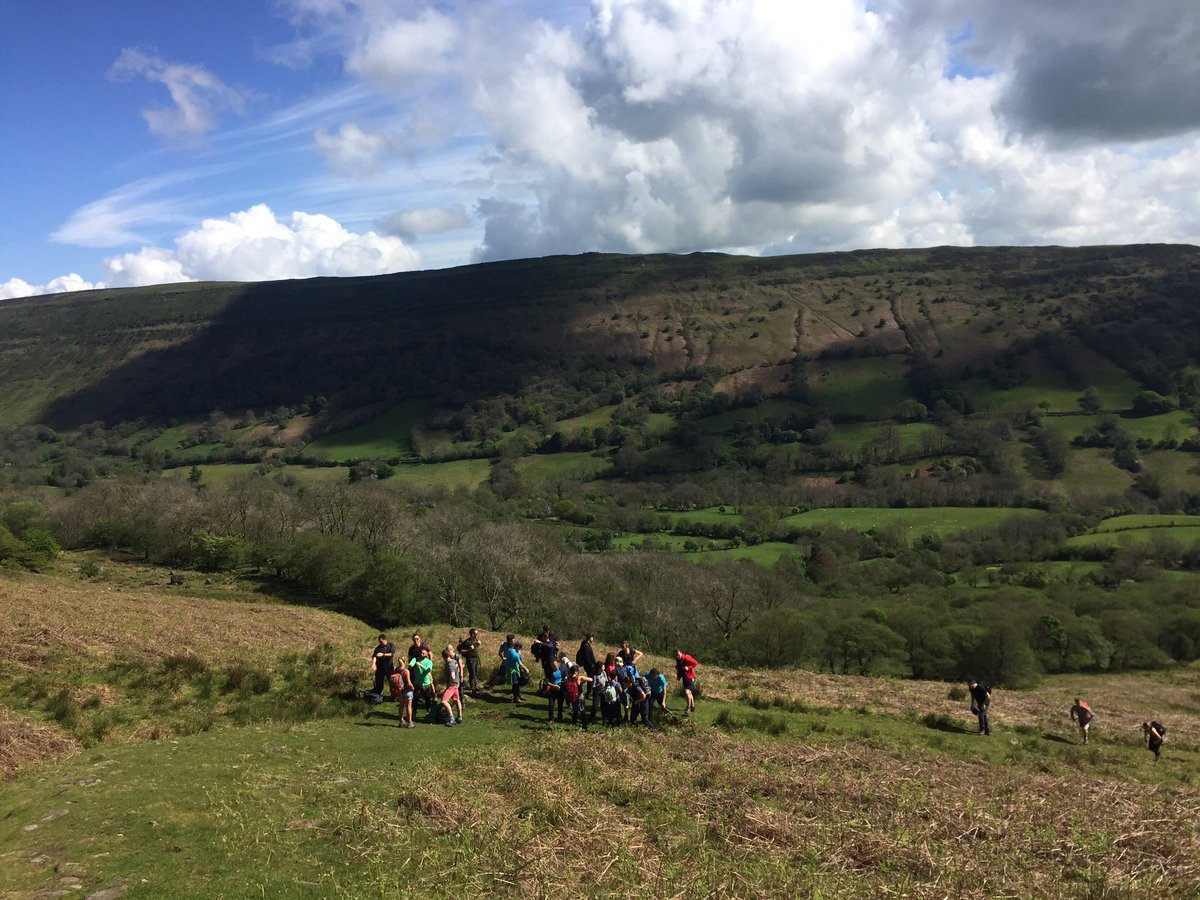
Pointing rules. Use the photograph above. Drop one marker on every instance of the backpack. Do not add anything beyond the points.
(642, 684)
(1160, 728)
(609, 694)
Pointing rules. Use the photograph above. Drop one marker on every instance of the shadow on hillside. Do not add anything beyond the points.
(474, 332)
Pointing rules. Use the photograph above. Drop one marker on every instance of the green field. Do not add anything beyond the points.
(1185, 535)
(1049, 386)
(1125, 523)
(388, 436)
(774, 409)
(601, 416)
(765, 554)
(459, 473)
(1177, 424)
(855, 436)
(551, 466)
(916, 522)
(712, 515)
(1091, 472)
(869, 388)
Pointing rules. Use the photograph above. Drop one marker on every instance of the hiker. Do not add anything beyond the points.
(628, 654)
(981, 699)
(514, 670)
(469, 648)
(452, 669)
(420, 667)
(501, 673)
(406, 698)
(1082, 714)
(658, 689)
(554, 694)
(545, 651)
(586, 658)
(639, 701)
(610, 664)
(573, 689)
(1155, 733)
(610, 700)
(685, 671)
(381, 663)
(414, 650)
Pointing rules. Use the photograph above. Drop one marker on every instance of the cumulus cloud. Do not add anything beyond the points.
(351, 151)
(395, 51)
(255, 245)
(198, 97)
(412, 223)
(16, 287)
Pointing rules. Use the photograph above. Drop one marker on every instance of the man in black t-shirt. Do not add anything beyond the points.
(383, 655)
(414, 650)
(981, 699)
(469, 648)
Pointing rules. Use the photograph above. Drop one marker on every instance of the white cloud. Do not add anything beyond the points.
(411, 223)
(351, 151)
(395, 51)
(254, 245)
(16, 287)
(197, 95)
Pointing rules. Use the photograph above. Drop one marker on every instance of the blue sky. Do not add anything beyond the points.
(150, 142)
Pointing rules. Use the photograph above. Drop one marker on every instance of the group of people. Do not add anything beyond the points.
(613, 690)
(1081, 714)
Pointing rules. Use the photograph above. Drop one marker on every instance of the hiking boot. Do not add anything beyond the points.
(412, 725)
(458, 721)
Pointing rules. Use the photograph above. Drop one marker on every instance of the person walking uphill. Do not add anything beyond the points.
(1155, 733)
(685, 671)
(1082, 714)
(382, 662)
(981, 700)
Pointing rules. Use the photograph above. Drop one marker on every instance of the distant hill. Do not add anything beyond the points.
(594, 325)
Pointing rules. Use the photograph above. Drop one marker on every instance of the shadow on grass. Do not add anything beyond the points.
(940, 722)
(1058, 738)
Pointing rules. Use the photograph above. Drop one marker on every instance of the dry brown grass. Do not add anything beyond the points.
(24, 742)
(580, 815)
(1122, 702)
(54, 623)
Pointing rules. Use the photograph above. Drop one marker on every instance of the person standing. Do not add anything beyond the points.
(630, 655)
(452, 672)
(420, 668)
(469, 648)
(1155, 733)
(382, 662)
(554, 694)
(573, 689)
(414, 650)
(685, 671)
(514, 668)
(1081, 714)
(586, 659)
(981, 701)
(406, 698)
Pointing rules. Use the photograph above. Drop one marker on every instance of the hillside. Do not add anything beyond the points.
(859, 786)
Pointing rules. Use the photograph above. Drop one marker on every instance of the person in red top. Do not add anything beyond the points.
(685, 671)
(1082, 714)
(573, 689)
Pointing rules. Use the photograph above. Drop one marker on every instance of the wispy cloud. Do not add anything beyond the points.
(198, 97)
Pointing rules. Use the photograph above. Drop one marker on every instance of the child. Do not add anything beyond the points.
(573, 689)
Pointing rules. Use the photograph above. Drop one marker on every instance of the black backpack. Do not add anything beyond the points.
(1160, 728)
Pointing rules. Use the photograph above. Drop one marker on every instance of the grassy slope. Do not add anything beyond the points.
(859, 786)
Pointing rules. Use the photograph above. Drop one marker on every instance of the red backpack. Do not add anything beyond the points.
(572, 690)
